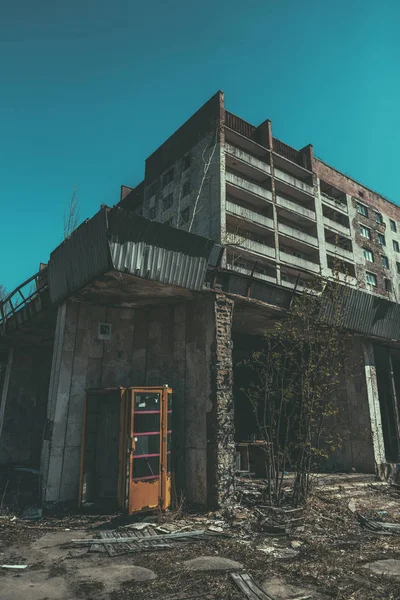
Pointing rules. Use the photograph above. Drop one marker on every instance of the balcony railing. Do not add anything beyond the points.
(334, 203)
(342, 277)
(295, 208)
(241, 242)
(297, 234)
(337, 227)
(295, 261)
(244, 184)
(249, 215)
(337, 250)
(293, 181)
(247, 158)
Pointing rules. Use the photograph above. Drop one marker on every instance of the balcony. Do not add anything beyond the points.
(248, 186)
(295, 208)
(338, 251)
(336, 227)
(248, 215)
(297, 234)
(334, 203)
(294, 182)
(342, 277)
(248, 159)
(262, 249)
(295, 261)
(250, 272)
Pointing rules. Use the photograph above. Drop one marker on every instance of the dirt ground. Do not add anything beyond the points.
(322, 549)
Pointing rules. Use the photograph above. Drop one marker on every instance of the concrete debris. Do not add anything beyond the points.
(212, 563)
(352, 506)
(279, 589)
(387, 568)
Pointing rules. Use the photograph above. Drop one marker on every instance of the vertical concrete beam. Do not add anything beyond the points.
(220, 419)
(323, 261)
(196, 399)
(373, 403)
(59, 398)
(4, 392)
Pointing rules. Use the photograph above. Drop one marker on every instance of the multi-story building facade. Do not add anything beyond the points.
(284, 214)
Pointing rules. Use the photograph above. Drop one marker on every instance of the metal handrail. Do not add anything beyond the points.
(17, 299)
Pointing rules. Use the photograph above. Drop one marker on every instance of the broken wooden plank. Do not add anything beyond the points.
(248, 586)
(170, 536)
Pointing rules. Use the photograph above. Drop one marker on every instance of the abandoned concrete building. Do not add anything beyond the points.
(163, 293)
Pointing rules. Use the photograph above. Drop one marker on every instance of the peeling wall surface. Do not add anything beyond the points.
(154, 346)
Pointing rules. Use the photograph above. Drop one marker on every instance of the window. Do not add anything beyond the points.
(185, 214)
(187, 161)
(385, 262)
(368, 255)
(370, 278)
(396, 246)
(362, 209)
(168, 177)
(365, 232)
(393, 226)
(151, 190)
(398, 267)
(168, 201)
(381, 239)
(379, 219)
(186, 188)
(152, 213)
(361, 193)
(388, 285)
(170, 222)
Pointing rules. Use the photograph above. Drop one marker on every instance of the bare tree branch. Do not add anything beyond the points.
(71, 214)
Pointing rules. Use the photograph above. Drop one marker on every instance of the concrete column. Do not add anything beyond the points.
(373, 403)
(4, 393)
(220, 419)
(52, 462)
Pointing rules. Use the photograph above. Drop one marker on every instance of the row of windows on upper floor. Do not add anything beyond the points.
(168, 176)
(366, 232)
(363, 210)
(369, 255)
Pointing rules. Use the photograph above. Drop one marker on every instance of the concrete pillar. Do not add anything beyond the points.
(373, 403)
(4, 392)
(220, 419)
(56, 461)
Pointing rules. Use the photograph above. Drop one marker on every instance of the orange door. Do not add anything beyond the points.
(148, 433)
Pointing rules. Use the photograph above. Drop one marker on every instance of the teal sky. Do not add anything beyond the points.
(90, 88)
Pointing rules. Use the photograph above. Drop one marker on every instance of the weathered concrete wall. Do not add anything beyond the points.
(186, 346)
(354, 422)
(23, 405)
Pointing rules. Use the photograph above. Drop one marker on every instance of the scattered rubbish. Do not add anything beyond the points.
(13, 566)
(352, 506)
(214, 528)
(67, 530)
(32, 513)
(379, 526)
(296, 544)
(248, 586)
(382, 512)
(186, 534)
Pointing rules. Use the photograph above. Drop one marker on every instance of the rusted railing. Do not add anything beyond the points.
(239, 125)
(23, 294)
(287, 152)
